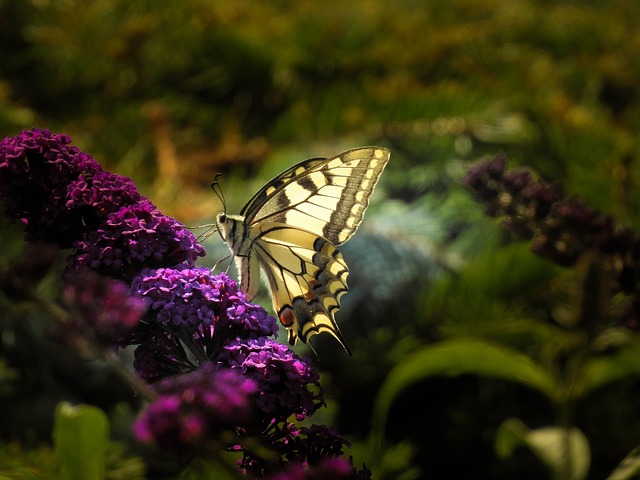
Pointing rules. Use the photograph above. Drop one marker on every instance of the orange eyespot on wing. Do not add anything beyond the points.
(287, 317)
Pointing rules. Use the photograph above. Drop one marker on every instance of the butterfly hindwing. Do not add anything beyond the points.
(290, 229)
(307, 276)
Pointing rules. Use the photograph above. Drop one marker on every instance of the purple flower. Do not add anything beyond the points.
(63, 196)
(103, 305)
(283, 377)
(300, 451)
(101, 193)
(306, 453)
(192, 297)
(195, 407)
(562, 228)
(236, 318)
(328, 468)
(132, 238)
(36, 168)
(179, 297)
(207, 309)
(315, 443)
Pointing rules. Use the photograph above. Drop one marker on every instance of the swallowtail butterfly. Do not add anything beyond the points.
(290, 229)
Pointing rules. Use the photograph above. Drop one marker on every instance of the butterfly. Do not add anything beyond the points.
(290, 231)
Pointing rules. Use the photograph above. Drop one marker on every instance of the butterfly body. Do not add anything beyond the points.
(290, 229)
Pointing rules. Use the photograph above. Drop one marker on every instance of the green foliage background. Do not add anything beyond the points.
(170, 93)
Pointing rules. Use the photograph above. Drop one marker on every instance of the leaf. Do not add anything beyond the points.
(509, 436)
(458, 357)
(81, 438)
(606, 369)
(564, 451)
(200, 468)
(629, 468)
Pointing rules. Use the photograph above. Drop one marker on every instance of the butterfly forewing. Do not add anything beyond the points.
(291, 228)
(326, 197)
(259, 200)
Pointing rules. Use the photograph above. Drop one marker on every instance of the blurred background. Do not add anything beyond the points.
(171, 93)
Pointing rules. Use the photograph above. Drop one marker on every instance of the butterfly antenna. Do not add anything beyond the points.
(217, 189)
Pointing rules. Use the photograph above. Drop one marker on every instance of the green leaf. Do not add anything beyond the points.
(81, 438)
(209, 469)
(564, 451)
(458, 357)
(510, 435)
(606, 369)
(629, 468)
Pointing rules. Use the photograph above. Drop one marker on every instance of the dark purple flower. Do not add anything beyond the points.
(98, 194)
(301, 449)
(315, 443)
(208, 310)
(195, 407)
(63, 196)
(562, 228)
(483, 177)
(284, 378)
(132, 238)
(179, 297)
(328, 468)
(236, 319)
(193, 297)
(208, 352)
(104, 305)
(36, 168)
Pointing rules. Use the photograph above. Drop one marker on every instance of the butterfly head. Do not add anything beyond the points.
(231, 229)
(223, 226)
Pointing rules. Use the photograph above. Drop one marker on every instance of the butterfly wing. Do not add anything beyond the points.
(307, 276)
(327, 197)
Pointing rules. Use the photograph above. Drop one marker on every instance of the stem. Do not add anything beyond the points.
(566, 453)
(63, 317)
(127, 375)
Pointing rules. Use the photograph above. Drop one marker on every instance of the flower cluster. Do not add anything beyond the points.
(561, 228)
(227, 333)
(196, 407)
(180, 296)
(185, 296)
(331, 467)
(132, 238)
(314, 452)
(209, 355)
(103, 307)
(63, 196)
(37, 171)
(284, 378)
